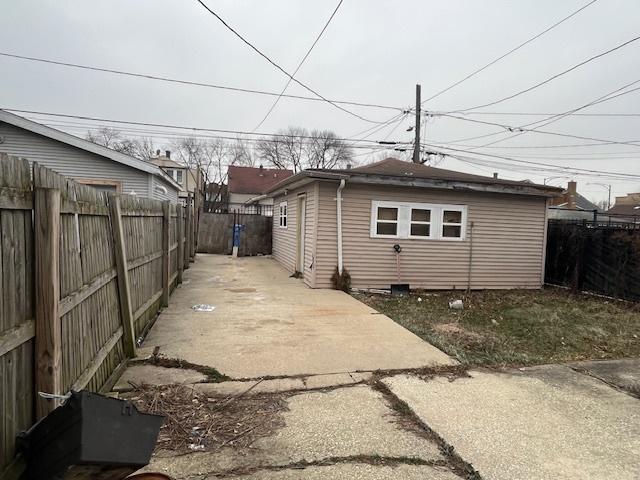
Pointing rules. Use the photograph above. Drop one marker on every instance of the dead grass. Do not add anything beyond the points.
(517, 327)
(197, 422)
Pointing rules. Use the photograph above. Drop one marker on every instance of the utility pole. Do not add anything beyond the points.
(416, 146)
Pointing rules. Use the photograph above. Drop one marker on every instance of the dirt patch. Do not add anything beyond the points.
(457, 329)
(198, 422)
(241, 290)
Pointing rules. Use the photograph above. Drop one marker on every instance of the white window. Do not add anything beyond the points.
(176, 174)
(283, 215)
(428, 221)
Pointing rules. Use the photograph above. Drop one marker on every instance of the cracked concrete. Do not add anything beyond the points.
(344, 422)
(534, 423)
(281, 328)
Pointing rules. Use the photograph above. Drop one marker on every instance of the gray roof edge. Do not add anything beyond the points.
(60, 136)
(382, 180)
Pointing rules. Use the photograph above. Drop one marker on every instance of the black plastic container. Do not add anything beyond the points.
(92, 432)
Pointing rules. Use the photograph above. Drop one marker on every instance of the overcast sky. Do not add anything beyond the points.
(373, 51)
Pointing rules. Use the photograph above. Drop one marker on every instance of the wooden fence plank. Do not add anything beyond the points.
(124, 292)
(180, 237)
(16, 336)
(187, 250)
(166, 224)
(47, 290)
(97, 360)
(69, 302)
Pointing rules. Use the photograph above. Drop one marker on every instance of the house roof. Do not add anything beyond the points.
(166, 162)
(625, 209)
(582, 203)
(255, 180)
(393, 171)
(72, 140)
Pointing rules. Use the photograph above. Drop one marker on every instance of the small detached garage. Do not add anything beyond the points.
(395, 222)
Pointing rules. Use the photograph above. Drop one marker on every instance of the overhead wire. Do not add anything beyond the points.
(275, 103)
(191, 82)
(551, 78)
(277, 66)
(535, 37)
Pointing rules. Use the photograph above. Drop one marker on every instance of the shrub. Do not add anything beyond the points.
(341, 281)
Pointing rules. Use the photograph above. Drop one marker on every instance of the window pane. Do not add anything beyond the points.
(452, 216)
(420, 230)
(420, 215)
(387, 228)
(387, 213)
(450, 231)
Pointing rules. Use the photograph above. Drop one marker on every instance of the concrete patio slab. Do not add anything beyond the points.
(154, 375)
(357, 471)
(538, 423)
(624, 374)
(318, 426)
(268, 324)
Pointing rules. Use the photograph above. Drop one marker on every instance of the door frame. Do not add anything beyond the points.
(300, 231)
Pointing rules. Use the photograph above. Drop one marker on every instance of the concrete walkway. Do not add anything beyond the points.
(267, 324)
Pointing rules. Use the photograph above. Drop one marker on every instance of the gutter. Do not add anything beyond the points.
(339, 222)
(255, 199)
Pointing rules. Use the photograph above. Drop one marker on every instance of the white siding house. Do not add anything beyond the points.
(83, 161)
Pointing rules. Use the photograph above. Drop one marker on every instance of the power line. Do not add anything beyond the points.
(475, 72)
(545, 132)
(550, 79)
(298, 67)
(546, 165)
(541, 114)
(557, 117)
(179, 127)
(263, 55)
(190, 82)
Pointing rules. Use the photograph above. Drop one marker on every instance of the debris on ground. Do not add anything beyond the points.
(203, 307)
(199, 422)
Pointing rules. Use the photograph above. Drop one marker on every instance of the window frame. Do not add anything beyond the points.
(283, 214)
(404, 220)
(395, 222)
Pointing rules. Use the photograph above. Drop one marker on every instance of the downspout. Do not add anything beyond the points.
(339, 222)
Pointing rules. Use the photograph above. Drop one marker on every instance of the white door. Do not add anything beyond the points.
(302, 214)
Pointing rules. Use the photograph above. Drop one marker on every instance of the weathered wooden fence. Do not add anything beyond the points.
(83, 277)
(215, 233)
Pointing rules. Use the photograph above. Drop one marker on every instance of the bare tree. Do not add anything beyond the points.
(108, 137)
(240, 153)
(326, 150)
(287, 149)
(209, 156)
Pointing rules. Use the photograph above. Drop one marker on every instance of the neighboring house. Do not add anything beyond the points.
(570, 205)
(248, 186)
(454, 229)
(83, 161)
(191, 180)
(627, 206)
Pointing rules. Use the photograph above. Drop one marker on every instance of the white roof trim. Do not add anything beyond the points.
(21, 122)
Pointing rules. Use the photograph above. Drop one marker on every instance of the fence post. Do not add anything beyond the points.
(166, 222)
(122, 269)
(180, 237)
(48, 341)
(187, 250)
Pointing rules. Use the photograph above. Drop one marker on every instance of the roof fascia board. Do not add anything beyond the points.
(449, 185)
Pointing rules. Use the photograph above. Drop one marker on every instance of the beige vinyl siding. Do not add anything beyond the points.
(508, 241)
(285, 239)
